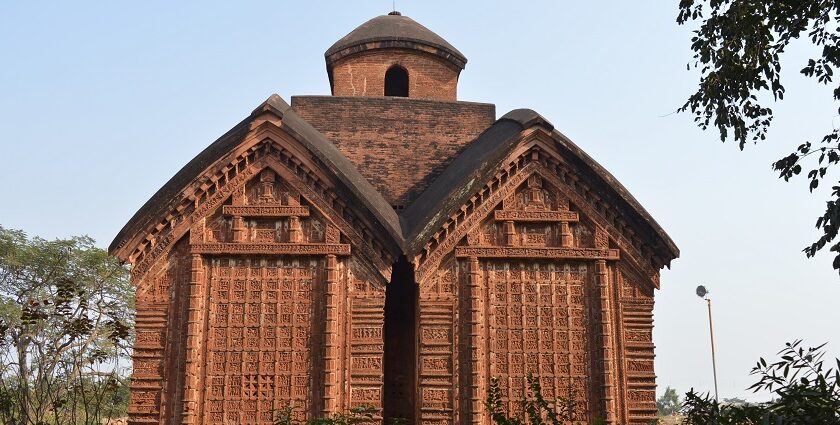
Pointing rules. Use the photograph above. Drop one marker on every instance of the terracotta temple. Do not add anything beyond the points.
(391, 246)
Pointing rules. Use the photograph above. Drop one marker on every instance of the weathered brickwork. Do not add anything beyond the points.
(261, 268)
(400, 145)
(364, 75)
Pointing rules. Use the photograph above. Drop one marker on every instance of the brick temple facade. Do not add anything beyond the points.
(391, 246)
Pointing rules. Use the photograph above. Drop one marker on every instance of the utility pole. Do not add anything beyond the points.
(702, 292)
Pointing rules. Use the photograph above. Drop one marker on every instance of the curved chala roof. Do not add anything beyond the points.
(410, 231)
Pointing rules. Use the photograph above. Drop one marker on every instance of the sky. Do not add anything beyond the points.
(102, 102)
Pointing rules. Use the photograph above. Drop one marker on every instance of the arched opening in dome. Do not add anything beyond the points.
(396, 81)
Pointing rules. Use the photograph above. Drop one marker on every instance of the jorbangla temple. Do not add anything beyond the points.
(394, 247)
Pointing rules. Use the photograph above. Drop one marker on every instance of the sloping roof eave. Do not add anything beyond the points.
(475, 165)
(410, 230)
(166, 198)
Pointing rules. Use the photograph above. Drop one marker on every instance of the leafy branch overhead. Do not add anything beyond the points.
(737, 49)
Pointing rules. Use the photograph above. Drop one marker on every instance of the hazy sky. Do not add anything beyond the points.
(102, 102)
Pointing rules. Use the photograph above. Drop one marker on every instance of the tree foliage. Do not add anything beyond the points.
(805, 391)
(737, 49)
(668, 403)
(65, 314)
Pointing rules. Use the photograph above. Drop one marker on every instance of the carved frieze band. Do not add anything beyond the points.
(536, 252)
(266, 210)
(272, 248)
(536, 216)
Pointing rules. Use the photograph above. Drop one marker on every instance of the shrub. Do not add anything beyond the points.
(804, 390)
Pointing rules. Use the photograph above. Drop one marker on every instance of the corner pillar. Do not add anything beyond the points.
(331, 354)
(477, 351)
(193, 386)
(607, 343)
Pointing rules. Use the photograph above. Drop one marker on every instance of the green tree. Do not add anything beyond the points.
(668, 403)
(66, 310)
(737, 49)
(804, 390)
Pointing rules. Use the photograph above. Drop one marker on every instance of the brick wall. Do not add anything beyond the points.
(363, 74)
(399, 144)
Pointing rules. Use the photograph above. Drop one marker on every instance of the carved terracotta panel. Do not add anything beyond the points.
(537, 316)
(263, 332)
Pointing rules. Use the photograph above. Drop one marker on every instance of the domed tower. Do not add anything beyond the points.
(392, 55)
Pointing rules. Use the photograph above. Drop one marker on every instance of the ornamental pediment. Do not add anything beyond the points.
(520, 139)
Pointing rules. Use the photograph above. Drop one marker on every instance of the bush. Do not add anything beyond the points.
(804, 390)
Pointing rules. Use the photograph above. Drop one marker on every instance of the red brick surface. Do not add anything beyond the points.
(429, 77)
(399, 144)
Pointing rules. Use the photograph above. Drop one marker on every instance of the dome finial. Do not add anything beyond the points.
(395, 13)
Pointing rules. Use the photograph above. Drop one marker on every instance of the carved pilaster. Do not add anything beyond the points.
(193, 387)
(295, 231)
(238, 229)
(476, 351)
(331, 354)
(607, 342)
(510, 233)
(566, 240)
(267, 186)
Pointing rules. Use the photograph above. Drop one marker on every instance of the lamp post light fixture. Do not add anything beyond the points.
(702, 292)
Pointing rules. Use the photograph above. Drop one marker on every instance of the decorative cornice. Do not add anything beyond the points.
(266, 210)
(536, 252)
(271, 248)
(535, 216)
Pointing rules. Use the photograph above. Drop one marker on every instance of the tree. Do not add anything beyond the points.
(669, 403)
(66, 309)
(804, 392)
(737, 48)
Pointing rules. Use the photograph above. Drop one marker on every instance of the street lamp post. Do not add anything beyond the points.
(702, 292)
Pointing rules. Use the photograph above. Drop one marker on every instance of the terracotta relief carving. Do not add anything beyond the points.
(536, 317)
(263, 322)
